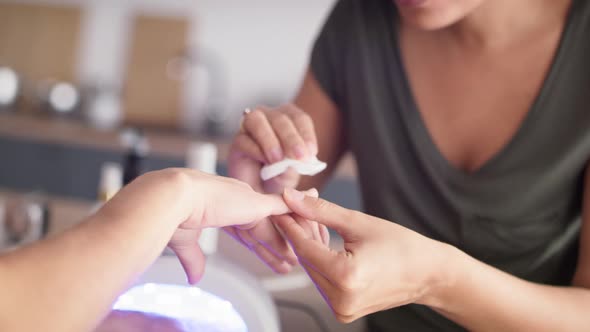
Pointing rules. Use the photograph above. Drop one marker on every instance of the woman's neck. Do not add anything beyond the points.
(502, 23)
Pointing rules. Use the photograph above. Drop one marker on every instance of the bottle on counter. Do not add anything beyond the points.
(202, 157)
(137, 149)
(111, 181)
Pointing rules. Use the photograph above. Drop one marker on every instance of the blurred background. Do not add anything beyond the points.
(172, 63)
(77, 72)
(95, 92)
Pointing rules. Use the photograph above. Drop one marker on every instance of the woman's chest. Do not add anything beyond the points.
(473, 104)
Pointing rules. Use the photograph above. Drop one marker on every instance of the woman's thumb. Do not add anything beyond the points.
(317, 209)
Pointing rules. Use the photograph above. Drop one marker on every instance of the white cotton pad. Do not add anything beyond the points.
(311, 166)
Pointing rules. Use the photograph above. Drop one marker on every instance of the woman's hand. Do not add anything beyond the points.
(186, 201)
(382, 265)
(268, 244)
(267, 136)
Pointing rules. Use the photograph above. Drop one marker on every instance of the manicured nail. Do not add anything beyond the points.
(300, 152)
(276, 155)
(294, 195)
(312, 148)
(313, 192)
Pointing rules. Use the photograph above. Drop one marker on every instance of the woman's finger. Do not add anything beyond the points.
(322, 231)
(266, 234)
(312, 252)
(325, 234)
(340, 219)
(245, 145)
(292, 143)
(256, 125)
(311, 228)
(275, 263)
(233, 232)
(305, 127)
(316, 232)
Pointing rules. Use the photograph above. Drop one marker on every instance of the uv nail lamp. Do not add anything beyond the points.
(227, 299)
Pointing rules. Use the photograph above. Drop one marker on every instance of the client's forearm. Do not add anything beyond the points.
(69, 282)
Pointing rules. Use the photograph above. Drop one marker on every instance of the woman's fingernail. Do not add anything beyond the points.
(276, 155)
(294, 194)
(312, 148)
(300, 152)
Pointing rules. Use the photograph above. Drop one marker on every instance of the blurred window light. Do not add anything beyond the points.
(63, 97)
(8, 86)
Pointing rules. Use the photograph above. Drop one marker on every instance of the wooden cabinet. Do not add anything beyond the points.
(151, 96)
(40, 41)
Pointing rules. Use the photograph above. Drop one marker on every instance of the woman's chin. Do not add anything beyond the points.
(426, 22)
(434, 15)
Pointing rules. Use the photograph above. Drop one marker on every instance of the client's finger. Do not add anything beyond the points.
(243, 209)
(256, 206)
(192, 260)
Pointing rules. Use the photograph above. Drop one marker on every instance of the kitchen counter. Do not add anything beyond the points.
(63, 157)
(64, 131)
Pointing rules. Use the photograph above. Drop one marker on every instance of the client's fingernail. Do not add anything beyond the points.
(294, 194)
(276, 155)
(313, 192)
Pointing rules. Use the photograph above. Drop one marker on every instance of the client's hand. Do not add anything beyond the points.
(186, 201)
(383, 265)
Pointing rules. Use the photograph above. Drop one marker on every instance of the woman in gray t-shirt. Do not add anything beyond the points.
(470, 124)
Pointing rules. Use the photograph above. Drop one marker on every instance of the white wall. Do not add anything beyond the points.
(263, 44)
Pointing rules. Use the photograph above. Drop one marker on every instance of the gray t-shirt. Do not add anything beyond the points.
(520, 212)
